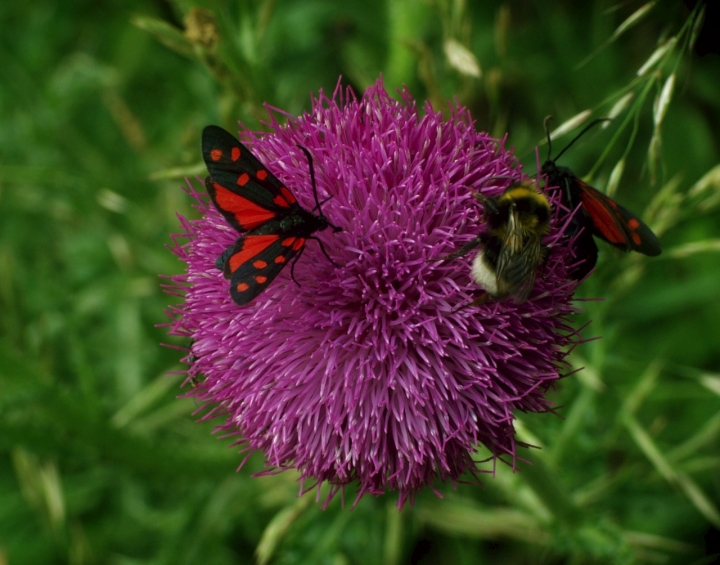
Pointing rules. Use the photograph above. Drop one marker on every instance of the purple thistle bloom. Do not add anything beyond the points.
(370, 372)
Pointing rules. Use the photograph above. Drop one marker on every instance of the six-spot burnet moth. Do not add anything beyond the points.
(597, 215)
(273, 225)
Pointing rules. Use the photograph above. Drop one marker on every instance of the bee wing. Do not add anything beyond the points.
(512, 245)
(520, 255)
(518, 279)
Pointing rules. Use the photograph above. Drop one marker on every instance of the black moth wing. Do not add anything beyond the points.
(228, 160)
(616, 224)
(580, 229)
(599, 216)
(584, 250)
(255, 259)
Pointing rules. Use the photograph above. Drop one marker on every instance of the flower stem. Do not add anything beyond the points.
(543, 480)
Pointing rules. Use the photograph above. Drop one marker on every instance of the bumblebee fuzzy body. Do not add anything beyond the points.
(511, 248)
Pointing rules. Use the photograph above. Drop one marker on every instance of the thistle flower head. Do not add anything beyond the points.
(372, 372)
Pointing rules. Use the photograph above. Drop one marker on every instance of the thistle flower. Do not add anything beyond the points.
(372, 372)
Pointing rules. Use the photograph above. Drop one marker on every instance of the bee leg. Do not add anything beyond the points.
(487, 203)
(545, 255)
(461, 307)
(480, 198)
(482, 299)
(467, 248)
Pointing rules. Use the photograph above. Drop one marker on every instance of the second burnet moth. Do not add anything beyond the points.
(597, 215)
(510, 249)
(273, 225)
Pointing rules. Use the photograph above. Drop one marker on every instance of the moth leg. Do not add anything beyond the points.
(292, 265)
(322, 248)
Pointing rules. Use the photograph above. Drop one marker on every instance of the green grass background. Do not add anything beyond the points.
(101, 108)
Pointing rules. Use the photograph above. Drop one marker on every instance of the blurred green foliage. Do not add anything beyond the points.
(101, 108)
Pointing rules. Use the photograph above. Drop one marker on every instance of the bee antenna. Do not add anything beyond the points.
(578, 136)
(312, 176)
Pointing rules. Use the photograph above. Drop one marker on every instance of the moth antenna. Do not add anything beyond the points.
(312, 177)
(578, 136)
(335, 228)
(546, 125)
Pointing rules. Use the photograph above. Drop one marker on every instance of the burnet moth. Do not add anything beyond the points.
(273, 225)
(598, 215)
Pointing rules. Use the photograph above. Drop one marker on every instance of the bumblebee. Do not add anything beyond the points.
(511, 248)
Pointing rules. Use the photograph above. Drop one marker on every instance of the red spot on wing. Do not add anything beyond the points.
(287, 194)
(252, 246)
(280, 201)
(259, 264)
(216, 154)
(288, 241)
(262, 174)
(243, 179)
(247, 213)
(235, 153)
(279, 259)
(616, 224)
(603, 213)
(298, 243)
(242, 287)
(633, 225)
(260, 279)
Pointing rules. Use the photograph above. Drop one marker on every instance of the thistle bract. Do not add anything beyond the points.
(373, 372)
